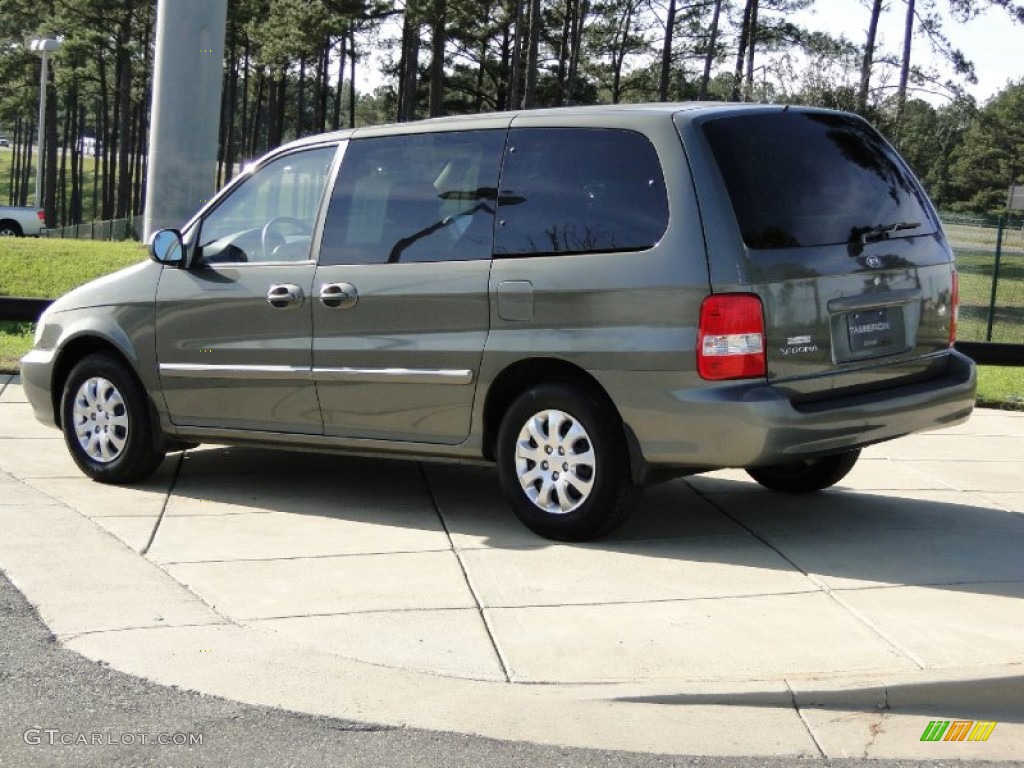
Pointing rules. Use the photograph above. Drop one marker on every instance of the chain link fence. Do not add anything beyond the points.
(990, 261)
(116, 229)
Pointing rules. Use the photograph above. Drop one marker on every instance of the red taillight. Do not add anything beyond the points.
(42, 216)
(954, 310)
(730, 340)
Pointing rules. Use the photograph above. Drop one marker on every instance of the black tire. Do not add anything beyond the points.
(592, 493)
(119, 446)
(806, 476)
(10, 229)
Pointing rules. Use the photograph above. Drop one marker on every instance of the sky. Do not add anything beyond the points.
(993, 42)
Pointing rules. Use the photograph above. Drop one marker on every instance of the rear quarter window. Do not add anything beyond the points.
(569, 190)
(809, 179)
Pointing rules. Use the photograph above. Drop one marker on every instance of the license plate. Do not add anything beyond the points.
(871, 330)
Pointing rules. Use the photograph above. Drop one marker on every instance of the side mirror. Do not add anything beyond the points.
(167, 247)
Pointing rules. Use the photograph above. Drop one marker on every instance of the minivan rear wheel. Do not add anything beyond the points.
(563, 463)
(806, 476)
(106, 423)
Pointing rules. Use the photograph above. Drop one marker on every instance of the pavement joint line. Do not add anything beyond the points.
(358, 612)
(654, 601)
(931, 477)
(825, 589)
(163, 507)
(70, 637)
(585, 604)
(993, 499)
(337, 556)
(806, 723)
(465, 574)
(879, 631)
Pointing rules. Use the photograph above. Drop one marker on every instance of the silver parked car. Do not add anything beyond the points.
(593, 299)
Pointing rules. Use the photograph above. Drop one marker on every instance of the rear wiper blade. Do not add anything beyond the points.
(885, 231)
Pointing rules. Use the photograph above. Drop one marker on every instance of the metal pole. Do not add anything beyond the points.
(43, 75)
(995, 279)
(187, 81)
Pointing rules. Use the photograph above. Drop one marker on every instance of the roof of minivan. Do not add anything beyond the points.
(497, 119)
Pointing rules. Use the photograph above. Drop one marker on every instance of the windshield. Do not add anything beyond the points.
(807, 179)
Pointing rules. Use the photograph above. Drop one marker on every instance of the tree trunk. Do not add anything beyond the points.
(575, 51)
(244, 137)
(50, 162)
(532, 64)
(124, 147)
(666, 51)
(300, 110)
(77, 165)
(26, 163)
(124, 98)
(751, 46)
(228, 114)
(869, 57)
(709, 55)
(323, 89)
(141, 145)
(409, 67)
(563, 52)
(901, 92)
(742, 52)
(517, 50)
(67, 129)
(352, 79)
(481, 73)
(619, 52)
(340, 92)
(438, 38)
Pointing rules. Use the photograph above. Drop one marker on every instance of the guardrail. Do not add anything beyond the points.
(993, 353)
(21, 309)
(982, 352)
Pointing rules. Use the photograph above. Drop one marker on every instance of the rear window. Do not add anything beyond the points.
(806, 179)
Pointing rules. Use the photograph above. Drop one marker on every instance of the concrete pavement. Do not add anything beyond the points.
(723, 619)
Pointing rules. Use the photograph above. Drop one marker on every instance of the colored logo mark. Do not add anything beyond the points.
(958, 730)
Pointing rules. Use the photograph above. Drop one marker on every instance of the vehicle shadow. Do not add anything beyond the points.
(971, 699)
(843, 537)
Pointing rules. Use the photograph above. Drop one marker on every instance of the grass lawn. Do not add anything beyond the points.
(1001, 387)
(49, 268)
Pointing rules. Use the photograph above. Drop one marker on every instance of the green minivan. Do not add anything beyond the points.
(594, 299)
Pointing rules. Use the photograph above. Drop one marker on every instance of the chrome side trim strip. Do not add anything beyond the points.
(352, 375)
(393, 375)
(187, 370)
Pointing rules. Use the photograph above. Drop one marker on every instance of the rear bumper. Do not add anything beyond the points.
(748, 424)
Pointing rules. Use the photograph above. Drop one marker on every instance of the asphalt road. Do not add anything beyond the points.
(54, 704)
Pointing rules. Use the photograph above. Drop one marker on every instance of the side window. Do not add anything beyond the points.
(270, 216)
(421, 197)
(569, 190)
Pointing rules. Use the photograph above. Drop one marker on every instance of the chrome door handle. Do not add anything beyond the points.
(285, 296)
(338, 295)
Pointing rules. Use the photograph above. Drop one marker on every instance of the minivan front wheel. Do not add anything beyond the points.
(106, 422)
(806, 476)
(563, 463)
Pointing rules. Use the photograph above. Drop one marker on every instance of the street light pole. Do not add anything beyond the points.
(45, 46)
